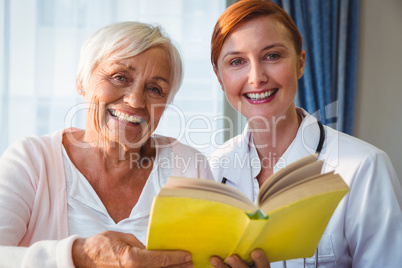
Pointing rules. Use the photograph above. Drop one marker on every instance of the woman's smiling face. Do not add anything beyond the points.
(258, 68)
(128, 97)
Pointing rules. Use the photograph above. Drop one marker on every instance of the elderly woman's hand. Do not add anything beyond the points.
(114, 249)
(258, 256)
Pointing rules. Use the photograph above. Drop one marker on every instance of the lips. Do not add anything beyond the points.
(264, 95)
(135, 119)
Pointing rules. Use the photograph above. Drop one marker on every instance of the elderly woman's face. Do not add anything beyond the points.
(130, 96)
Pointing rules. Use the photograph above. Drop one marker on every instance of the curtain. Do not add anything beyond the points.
(330, 31)
(39, 48)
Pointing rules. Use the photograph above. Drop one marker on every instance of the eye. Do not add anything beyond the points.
(120, 78)
(273, 56)
(155, 90)
(236, 62)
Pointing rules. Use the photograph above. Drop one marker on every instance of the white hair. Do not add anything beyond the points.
(124, 40)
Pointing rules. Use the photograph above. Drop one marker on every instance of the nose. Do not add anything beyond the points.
(135, 97)
(257, 74)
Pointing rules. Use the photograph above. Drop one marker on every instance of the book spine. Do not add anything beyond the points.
(247, 240)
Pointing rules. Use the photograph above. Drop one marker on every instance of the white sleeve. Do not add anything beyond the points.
(17, 193)
(42, 254)
(373, 224)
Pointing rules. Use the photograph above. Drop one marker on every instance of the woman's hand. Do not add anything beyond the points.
(114, 249)
(258, 256)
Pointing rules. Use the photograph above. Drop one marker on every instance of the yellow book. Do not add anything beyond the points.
(208, 218)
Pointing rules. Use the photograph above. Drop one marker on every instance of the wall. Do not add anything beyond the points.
(379, 107)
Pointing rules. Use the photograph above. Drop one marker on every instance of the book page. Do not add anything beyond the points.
(303, 173)
(208, 190)
(274, 178)
(317, 178)
(322, 184)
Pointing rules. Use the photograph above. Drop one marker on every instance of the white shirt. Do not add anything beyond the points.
(366, 228)
(88, 216)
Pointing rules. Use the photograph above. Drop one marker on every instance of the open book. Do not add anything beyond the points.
(208, 218)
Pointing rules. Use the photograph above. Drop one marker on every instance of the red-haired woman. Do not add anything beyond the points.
(256, 52)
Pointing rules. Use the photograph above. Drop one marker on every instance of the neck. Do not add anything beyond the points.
(108, 154)
(272, 137)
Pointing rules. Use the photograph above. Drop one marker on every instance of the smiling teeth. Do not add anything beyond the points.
(126, 117)
(260, 96)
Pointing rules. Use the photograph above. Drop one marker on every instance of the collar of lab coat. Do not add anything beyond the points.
(305, 143)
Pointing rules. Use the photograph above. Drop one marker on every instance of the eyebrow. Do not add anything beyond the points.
(265, 48)
(131, 68)
(161, 78)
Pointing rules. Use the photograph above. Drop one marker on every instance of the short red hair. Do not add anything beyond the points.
(244, 11)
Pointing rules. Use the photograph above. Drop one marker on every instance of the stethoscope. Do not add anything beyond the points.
(317, 151)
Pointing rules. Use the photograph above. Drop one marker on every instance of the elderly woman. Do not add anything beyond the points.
(82, 197)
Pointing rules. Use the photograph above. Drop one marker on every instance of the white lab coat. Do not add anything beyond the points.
(366, 228)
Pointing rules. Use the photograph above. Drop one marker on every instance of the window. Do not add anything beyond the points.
(39, 48)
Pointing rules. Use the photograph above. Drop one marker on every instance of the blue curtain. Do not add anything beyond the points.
(330, 31)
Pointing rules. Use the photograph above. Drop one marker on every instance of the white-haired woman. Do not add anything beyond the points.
(82, 197)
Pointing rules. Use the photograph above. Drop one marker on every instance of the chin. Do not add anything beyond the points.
(134, 140)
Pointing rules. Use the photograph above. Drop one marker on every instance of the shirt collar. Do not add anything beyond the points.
(235, 161)
(305, 143)
(255, 162)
